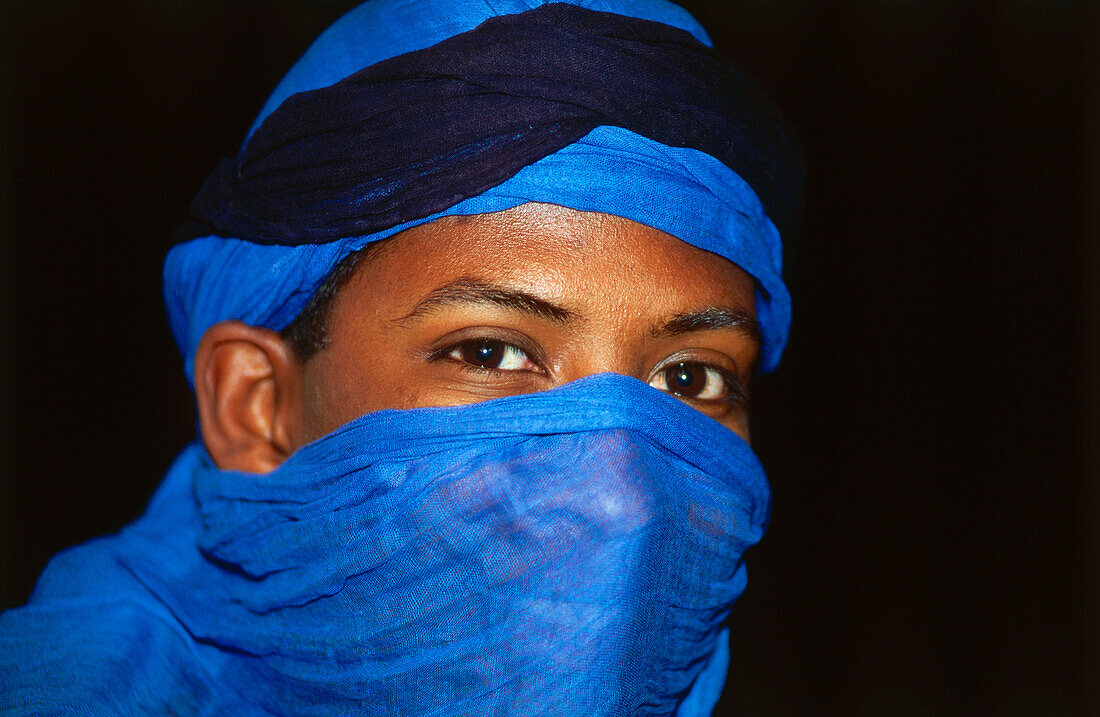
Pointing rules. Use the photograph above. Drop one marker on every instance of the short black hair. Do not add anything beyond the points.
(308, 333)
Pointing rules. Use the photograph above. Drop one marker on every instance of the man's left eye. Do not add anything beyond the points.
(492, 355)
(692, 381)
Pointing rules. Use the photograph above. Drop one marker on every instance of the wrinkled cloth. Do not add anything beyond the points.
(412, 135)
(571, 552)
(681, 190)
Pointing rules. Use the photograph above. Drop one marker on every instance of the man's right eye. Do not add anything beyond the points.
(491, 355)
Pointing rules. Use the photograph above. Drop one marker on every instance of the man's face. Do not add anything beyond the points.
(466, 309)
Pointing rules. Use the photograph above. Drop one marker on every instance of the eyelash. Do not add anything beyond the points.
(734, 392)
(508, 351)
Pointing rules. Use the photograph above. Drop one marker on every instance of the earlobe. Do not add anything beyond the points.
(247, 385)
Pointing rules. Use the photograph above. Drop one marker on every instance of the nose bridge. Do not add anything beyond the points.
(610, 344)
(618, 491)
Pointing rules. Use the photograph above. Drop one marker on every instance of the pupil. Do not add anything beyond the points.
(484, 354)
(683, 381)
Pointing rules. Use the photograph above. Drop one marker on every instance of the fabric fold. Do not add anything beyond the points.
(414, 134)
(572, 552)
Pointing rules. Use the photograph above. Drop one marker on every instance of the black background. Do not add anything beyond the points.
(934, 544)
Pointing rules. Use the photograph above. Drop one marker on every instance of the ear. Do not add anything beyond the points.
(248, 388)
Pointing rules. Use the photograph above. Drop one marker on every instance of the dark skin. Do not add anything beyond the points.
(467, 309)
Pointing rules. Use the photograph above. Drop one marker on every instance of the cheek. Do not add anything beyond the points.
(352, 378)
(740, 426)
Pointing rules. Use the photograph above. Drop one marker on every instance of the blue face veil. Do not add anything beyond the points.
(573, 552)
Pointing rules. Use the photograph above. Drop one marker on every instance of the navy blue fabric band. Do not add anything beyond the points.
(413, 135)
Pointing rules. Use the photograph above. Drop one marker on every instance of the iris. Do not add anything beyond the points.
(491, 354)
(686, 380)
(485, 354)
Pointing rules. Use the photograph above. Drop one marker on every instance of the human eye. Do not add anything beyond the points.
(694, 381)
(489, 355)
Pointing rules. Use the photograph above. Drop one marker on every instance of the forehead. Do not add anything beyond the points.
(588, 261)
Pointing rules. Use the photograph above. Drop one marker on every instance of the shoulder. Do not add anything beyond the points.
(98, 654)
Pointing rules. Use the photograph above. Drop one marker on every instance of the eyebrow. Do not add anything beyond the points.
(468, 290)
(712, 318)
(474, 291)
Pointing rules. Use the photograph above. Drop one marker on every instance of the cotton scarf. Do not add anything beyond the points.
(572, 552)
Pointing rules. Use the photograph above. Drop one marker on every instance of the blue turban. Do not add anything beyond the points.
(696, 166)
(570, 552)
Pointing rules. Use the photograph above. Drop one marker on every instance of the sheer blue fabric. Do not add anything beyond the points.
(573, 552)
(507, 557)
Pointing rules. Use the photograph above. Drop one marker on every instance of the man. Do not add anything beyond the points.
(420, 311)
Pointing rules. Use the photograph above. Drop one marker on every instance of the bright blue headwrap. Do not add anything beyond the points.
(571, 552)
(682, 191)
